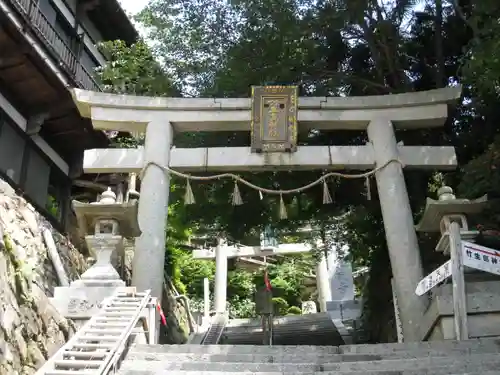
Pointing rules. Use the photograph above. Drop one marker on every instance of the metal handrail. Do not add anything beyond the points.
(216, 329)
(114, 346)
(35, 18)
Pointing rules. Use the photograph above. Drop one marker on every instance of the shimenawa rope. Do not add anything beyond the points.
(236, 196)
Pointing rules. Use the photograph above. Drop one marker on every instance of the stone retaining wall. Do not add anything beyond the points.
(31, 330)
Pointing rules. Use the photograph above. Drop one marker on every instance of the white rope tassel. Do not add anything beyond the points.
(327, 198)
(237, 200)
(283, 213)
(368, 188)
(189, 198)
(188, 195)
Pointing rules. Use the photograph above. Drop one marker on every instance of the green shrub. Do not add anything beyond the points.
(294, 310)
(280, 306)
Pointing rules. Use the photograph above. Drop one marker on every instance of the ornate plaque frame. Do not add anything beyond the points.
(274, 119)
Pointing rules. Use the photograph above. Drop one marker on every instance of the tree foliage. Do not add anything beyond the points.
(482, 55)
(216, 48)
(133, 70)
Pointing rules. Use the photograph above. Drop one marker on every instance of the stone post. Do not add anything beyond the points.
(206, 298)
(153, 328)
(149, 256)
(340, 277)
(452, 224)
(398, 223)
(323, 284)
(132, 193)
(397, 315)
(458, 280)
(220, 278)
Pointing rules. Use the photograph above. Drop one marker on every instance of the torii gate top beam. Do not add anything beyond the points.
(252, 251)
(132, 113)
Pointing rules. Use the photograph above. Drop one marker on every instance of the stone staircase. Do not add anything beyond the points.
(472, 357)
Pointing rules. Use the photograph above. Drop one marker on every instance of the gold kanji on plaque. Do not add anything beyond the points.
(274, 118)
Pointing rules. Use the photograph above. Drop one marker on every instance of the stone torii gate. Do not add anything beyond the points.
(159, 118)
(223, 252)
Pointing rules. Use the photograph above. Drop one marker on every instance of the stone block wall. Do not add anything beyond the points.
(31, 330)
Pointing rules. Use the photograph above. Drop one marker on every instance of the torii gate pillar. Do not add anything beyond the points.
(323, 283)
(400, 233)
(220, 296)
(149, 255)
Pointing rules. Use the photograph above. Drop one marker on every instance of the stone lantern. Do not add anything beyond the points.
(438, 215)
(449, 313)
(105, 225)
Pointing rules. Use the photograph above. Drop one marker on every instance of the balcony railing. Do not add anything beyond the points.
(58, 47)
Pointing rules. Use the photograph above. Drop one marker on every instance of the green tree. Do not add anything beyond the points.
(482, 57)
(133, 70)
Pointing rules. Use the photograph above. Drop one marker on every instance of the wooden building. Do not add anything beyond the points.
(46, 48)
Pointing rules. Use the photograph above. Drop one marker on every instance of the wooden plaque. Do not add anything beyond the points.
(274, 118)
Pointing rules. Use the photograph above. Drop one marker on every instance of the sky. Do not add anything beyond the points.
(133, 6)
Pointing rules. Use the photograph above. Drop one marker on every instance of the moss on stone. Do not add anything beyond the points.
(22, 287)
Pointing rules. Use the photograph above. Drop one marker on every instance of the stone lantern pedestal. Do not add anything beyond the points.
(469, 305)
(105, 225)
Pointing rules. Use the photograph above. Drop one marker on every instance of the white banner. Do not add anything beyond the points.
(481, 258)
(434, 278)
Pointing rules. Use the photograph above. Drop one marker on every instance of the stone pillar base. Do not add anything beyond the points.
(79, 302)
(483, 312)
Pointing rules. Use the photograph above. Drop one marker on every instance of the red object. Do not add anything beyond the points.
(162, 315)
(266, 281)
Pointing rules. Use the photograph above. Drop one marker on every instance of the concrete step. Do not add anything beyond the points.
(389, 351)
(302, 357)
(490, 345)
(483, 362)
(235, 349)
(406, 372)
